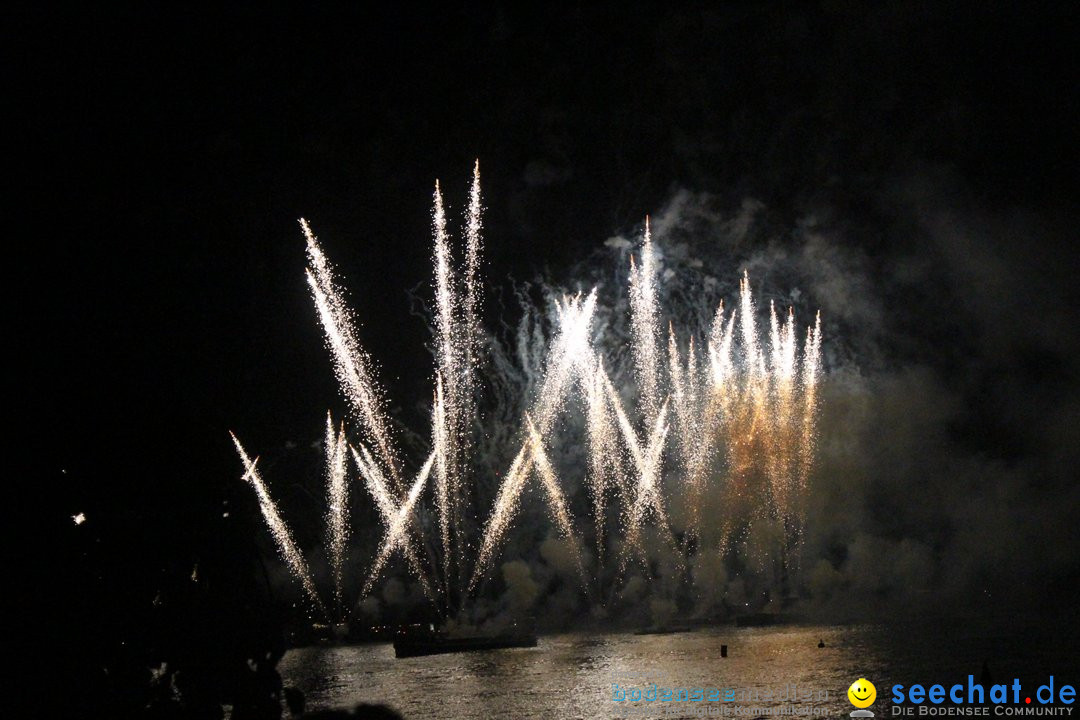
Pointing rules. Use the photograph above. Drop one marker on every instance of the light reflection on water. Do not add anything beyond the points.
(571, 675)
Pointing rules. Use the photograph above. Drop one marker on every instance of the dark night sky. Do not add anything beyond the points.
(164, 157)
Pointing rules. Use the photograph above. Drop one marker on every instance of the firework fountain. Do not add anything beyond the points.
(724, 416)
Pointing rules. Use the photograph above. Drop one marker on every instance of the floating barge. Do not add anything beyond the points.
(665, 630)
(416, 644)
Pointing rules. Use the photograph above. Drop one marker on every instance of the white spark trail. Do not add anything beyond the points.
(473, 248)
(388, 509)
(810, 375)
(337, 499)
(506, 506)
(720, 341)
(751, 347)
(569, 351)
(456, 326)
(644, 316)
(602, 449)
(695, 416)
(351, 362)
(471, 338)
(441, 433)
(647, 499)
(396, 532)
(560, 511)
(445, 306)
(278, 529)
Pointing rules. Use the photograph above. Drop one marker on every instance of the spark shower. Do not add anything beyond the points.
(726, 413)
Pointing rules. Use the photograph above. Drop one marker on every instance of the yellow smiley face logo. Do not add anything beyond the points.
(862, 693)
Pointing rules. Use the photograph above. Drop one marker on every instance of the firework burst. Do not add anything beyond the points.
(726, 416)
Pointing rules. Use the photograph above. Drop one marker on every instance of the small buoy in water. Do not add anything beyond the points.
(723, 651)
(821, 643)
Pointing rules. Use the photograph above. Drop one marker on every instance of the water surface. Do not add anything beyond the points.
(572, 675)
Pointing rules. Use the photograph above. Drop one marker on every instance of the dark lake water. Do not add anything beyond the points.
(573, 675)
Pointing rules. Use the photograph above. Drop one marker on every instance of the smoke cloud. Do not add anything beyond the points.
(947, 429)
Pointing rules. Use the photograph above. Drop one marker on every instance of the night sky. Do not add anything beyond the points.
(160, 161)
